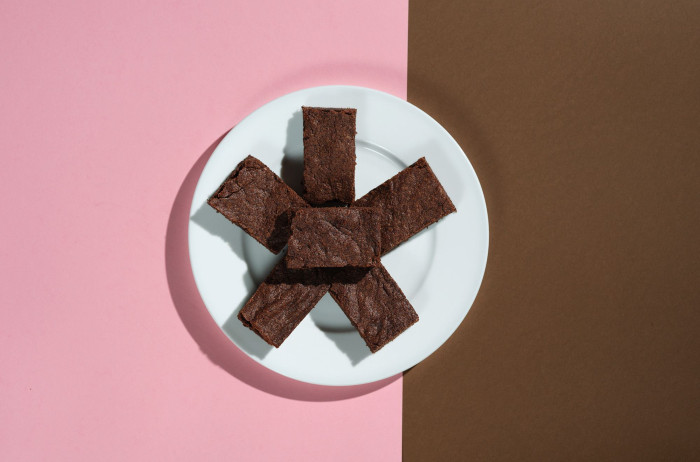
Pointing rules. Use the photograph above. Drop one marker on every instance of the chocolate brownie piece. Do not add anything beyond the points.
(375, 305)
(335, 237)
(329, 155)
(282, 301)
(411, 200)
(258, 201)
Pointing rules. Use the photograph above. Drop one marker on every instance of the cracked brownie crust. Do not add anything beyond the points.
(375, 305)
(411, 200)
(329, 155)
(335, 237)
(257, 200)
(282, 301)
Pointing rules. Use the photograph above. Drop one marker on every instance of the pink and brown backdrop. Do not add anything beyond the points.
(582, 122)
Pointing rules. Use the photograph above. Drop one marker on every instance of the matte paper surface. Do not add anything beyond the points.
(582, 121)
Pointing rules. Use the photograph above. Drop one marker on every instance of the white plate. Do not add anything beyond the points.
(439, 270)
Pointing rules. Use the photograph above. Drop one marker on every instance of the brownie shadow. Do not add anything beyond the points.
(258, 263)
(350, 343)
(246, 339)
(292, 171)
(201, 326)
(217, 225)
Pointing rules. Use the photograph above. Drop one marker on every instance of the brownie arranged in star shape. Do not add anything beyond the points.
(334, 249)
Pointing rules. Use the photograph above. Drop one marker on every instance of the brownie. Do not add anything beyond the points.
(375, 305)
(258, 201)
(329, 155)
(411, 200)
(282, 301)
(335, 237)
(371, 299)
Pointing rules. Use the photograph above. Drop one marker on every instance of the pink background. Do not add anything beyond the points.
(109, 112)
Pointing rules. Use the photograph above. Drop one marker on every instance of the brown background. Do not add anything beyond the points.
(582, 120)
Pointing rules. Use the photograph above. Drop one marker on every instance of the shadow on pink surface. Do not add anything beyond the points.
(200, 325)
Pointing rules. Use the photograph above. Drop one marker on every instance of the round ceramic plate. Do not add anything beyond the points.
(439, 269)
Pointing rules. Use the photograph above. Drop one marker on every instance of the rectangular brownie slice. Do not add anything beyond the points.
(374, 303)
(257, 200)
(411, 200)
(282, 301)
(335, 237)
(329, 155)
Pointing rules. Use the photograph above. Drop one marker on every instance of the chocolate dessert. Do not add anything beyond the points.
(375, 305)
(335, 237)
(282, 301)
(258, 201)
(411, 200)
(329, 155)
